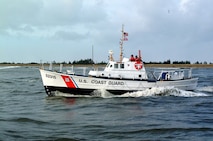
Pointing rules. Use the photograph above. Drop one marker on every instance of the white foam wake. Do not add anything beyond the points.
(9, 67)
(206, 89)
(155, 91)
(164, 91)
(60, 94)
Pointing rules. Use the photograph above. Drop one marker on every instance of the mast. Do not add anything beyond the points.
(121, 43)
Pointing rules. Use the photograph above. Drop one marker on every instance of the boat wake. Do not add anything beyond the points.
(9, 67)
(155, 91)
(208, 89)
(165, 91)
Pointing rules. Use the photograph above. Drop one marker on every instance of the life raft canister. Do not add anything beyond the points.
(138, 65)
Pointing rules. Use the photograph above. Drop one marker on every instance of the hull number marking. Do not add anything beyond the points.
(50, 76)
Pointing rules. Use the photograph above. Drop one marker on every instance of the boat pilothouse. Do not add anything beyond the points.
(125, 69)
(118, 77)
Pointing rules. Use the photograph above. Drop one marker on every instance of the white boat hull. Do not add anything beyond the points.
(84, 85)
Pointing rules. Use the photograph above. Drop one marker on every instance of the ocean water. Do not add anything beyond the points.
(26, 113)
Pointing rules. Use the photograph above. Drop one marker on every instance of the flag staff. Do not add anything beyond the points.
(121, 44)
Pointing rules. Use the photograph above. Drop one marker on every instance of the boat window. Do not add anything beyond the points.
(116, 66)
(122, 66)
(107, 65)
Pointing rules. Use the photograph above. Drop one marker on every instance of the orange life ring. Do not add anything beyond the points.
(138, 65)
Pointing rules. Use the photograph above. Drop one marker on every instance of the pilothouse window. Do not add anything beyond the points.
(122, 66)
(119, 66)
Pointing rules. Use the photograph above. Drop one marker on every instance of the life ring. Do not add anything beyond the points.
(138, 66)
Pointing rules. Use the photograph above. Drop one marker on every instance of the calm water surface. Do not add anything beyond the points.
(26, 113)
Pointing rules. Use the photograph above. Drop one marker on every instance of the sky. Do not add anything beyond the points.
(68, 30)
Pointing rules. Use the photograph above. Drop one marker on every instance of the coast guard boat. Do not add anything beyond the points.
(118, 77)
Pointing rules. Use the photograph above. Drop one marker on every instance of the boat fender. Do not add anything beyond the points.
(138, 65)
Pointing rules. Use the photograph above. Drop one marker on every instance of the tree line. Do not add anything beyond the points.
(177, 62)
(90, 61)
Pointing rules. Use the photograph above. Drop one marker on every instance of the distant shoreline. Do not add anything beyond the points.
(180, 65)
(103, 65)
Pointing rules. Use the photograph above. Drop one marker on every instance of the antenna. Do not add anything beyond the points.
(92, 53)
(111, 55)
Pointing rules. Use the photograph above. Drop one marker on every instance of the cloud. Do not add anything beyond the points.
(75, 36)
(184, 5)
(41, 18)
(154, 26)
(15, 13)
